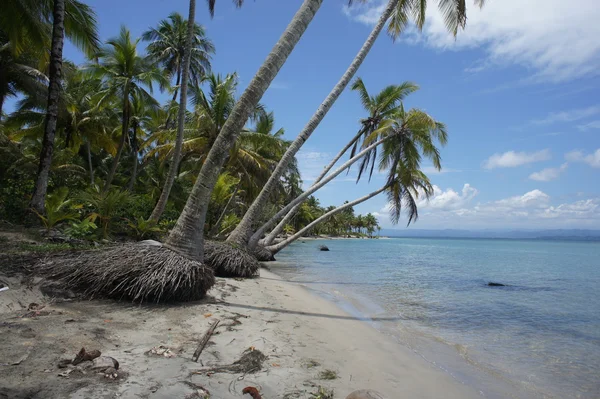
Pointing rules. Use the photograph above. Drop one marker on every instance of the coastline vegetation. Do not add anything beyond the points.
(90, 154)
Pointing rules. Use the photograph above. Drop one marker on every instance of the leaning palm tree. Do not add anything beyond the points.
(410, 135)
(127, 75)
(379, 107)
(81, 26)
(399, 13)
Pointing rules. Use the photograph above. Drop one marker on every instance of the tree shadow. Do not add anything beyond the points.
(311, 314)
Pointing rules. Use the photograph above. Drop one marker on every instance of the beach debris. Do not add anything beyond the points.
(204, 340)
(103, 363)
(84, 355)
(162, 350)
(365, 394)
(20, 360)
(111, 373)
(200, 392)
(311, 363)
(64, 363)
(328, 375)
(252, 392)
(323, 248)
(251, 361)
(322, 393)
(492, 284)
(3, 287)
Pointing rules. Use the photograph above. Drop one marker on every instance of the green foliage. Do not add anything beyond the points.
(143, 229)
(104, 207)
(83, 229)
(58, 208)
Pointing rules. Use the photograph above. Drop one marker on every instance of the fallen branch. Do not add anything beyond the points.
(204, 340)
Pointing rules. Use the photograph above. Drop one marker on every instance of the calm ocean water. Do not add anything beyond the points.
(540, 335)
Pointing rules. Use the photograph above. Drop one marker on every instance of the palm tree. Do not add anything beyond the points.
(141, 115)
(200, 60)
(186, 237)
(127, 75)
(399, 13)
(17, 73)
(379, 108)
(408, 137)
(168, 47)
(82, 29)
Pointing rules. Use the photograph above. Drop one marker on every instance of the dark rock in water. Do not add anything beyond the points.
(323, 248)
(492, 284)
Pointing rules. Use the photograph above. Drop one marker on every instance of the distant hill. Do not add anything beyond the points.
(555, 234)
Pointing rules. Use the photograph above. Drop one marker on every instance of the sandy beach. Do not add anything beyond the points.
(308, 342)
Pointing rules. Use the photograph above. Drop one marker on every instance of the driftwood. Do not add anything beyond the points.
(204, 340)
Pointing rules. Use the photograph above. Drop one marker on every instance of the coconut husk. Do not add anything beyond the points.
(229, 261)
(135, 271)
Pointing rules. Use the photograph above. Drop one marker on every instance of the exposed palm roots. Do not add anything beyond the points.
(228, 260)
(135, 271)
(263, 254)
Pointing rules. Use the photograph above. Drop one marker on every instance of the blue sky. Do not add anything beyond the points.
(518, 89)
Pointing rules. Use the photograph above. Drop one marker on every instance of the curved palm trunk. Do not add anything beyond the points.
(58, 37)
(242, 232)
(166, 191)
(186, 237)
(279, 246)
(256, 237)
(134, 152)
(89, 159)
(279, 228)
(124, 130)
(177, 81)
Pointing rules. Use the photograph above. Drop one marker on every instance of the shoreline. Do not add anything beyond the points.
(306, 339)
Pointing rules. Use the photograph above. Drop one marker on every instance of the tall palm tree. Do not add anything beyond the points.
(184, 74)
(399, 13)
(168, 43)
(82, 29)
(127, 75)
(186, 237)
(409, 135)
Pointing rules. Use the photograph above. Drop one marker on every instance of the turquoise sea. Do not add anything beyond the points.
(537, 337)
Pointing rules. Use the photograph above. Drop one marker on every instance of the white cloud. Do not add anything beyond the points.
(448, 199)
(556, 40)
(548, 174)
(589, 126)
(531, 199)
(311, 163)
(568, 116)
(592, 159)
(513, 159)
(585, 209)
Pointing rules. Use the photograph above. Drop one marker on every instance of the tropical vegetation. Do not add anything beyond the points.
(91, 151)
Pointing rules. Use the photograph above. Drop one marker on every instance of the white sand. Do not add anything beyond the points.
(294, 328)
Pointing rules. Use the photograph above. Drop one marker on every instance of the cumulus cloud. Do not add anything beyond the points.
(592, 159)
(557, 40)
(448, 199)
(548, 174)
(531, 199)
(513, 159)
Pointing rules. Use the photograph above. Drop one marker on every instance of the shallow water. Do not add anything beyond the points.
(540, 333)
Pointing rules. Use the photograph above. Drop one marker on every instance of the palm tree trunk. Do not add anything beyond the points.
(256, 236)
(279, 246)
(277, 230)
(89, 159)
(178, 80)
(58, 36)
(134, 152)
(166, 191)
(242, 232)
(124, 130)
(215, 228)
(186, 236)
